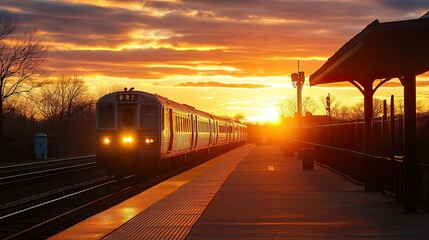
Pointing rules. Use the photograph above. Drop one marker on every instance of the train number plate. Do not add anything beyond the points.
(127, 97)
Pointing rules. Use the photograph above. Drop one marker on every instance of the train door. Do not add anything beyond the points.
(229, 130)
(196, 130)
(192, 130)
(170, 120)
(216, 131)
(127, 116)
(234, 133)
(210, 132)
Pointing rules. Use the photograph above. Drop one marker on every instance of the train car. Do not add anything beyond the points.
(142, 133)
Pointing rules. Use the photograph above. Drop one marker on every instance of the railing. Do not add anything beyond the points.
(376, 173)
(341, 147)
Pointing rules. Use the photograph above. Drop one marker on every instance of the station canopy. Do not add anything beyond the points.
(380, 51)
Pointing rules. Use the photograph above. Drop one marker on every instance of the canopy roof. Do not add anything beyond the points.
(381, 50)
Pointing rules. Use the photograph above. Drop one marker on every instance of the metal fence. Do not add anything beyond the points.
(341, 147)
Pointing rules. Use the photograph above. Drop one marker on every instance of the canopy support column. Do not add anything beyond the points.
(410, 163)
(368, 93)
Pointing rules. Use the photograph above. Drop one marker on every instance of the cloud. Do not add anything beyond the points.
(189, 49)
(392, 84)
(237, 25)
(409, 6)
(222, 85)
(256, 37)
(422, 83)
(77, 25)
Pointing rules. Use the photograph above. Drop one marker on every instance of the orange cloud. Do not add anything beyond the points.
(108, 37)
(160, 42)
(222, 85)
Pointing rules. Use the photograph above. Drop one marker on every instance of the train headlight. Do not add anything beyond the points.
(149, 140)
(127, 139)
(106, 140)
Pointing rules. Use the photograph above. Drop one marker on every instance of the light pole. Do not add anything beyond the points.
(298, 80)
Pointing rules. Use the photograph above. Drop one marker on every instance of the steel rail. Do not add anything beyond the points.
(6, 167)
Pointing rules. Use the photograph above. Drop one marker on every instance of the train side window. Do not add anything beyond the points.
(188, 123)
(106, 116)
(149, 117)
(163, 112)
(178, 126)
(127, 116)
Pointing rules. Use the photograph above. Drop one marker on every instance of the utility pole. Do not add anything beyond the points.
(298, 80)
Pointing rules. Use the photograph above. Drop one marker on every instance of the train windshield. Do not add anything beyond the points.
(106, 116)
(149, 117)
(128, 116)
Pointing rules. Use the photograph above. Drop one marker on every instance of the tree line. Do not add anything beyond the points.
(287, 107)
(63, 108)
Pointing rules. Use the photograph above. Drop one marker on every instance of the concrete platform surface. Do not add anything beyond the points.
(269, 196)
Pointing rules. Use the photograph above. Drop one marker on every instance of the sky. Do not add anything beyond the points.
(225, 57)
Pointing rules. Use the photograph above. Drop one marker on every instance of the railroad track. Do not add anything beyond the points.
(37, 216)
(44, 219)
(13, 175)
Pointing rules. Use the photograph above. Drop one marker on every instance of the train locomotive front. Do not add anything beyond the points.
(142, 133)
(128, 128)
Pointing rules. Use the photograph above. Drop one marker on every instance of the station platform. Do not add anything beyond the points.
(254, 192)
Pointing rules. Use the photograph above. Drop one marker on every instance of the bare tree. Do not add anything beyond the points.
(337, 109)
(21, 57)
(108, 89)
(18, 119)
(239, 117)
(59, 101)
(377, 108)
(7, 24)
(357, 111)
(343, 113)
(400, 107)
(288, 106)
(309, 105)
(18, 106)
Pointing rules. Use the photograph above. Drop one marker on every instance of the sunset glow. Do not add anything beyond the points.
(271, 115)
(225, 57)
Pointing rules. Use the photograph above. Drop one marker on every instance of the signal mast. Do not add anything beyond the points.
(298, 80)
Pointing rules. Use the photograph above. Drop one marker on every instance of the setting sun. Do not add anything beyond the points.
(270, 115)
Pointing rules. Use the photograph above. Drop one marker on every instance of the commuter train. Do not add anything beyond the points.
(142, 133)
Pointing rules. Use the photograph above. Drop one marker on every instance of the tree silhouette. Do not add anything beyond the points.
(288, 106)
(21, 56)
(58, 102)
